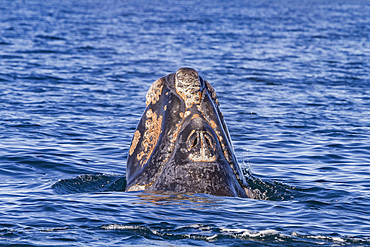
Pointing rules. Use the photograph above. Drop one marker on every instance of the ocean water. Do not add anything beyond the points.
(293, 81)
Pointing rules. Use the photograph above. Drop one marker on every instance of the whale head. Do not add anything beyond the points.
(182, 143)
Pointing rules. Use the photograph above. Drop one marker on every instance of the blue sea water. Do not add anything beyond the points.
(293, 81)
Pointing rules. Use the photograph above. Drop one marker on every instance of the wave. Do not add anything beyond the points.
(224, 235)
(90, 183)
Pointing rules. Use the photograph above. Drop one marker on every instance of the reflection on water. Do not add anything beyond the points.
(169, 198)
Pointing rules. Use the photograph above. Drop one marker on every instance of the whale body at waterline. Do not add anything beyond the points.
(182, 143)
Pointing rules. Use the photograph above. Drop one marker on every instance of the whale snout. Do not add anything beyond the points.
(201, 146)
(189, 85)
(187, 78)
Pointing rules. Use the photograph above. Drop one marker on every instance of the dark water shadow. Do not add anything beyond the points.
(90, 183)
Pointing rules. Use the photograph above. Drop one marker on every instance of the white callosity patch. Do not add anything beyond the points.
(134, 142)
(136, 187)
(153, 125)
(154, 92)
(188, 86)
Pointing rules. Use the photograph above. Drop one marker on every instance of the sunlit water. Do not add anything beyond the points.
(293, 81)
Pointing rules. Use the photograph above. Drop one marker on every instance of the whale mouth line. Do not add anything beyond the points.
(202, 84)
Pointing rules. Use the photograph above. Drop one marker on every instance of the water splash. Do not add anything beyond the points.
(267, 190)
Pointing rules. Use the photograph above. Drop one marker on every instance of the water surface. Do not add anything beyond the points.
(293, 82)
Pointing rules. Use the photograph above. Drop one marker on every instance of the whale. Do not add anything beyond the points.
(181, 143)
